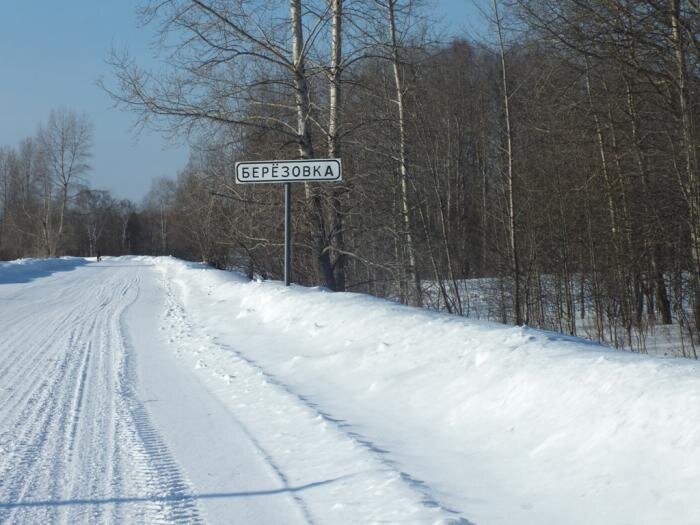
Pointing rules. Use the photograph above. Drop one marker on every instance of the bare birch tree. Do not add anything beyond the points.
(394, 55)
(510, 176)
(65, 143)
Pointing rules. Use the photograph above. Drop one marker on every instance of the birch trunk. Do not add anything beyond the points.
(46, 219)
(403, 170)
(512, 238)
(334, 145)
(306, 151)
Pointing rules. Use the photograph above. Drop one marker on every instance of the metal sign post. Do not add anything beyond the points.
(287, 233)
(287, 172)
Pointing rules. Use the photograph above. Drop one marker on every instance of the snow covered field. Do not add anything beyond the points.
(489, 298)
(145, 389)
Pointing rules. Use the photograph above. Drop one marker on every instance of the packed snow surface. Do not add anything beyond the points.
(143, 389)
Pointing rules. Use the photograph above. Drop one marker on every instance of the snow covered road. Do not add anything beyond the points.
(76, 443)
(148, 390)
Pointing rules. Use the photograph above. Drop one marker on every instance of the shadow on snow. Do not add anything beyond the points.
(164, 499)
(25, 271)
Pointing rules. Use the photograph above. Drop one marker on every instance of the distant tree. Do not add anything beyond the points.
(125, 210)
(95, 210)
(158, 207)
(65, 141)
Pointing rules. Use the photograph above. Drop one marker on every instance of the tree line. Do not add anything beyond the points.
(47, 207)
(543, 174)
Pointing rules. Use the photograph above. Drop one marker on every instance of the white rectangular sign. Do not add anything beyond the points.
(288, 171)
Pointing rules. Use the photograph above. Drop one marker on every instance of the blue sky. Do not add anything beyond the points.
(52, 53)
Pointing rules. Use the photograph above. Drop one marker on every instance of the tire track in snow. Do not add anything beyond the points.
(40, 457)
(27, 351)
(180, 330)
(79, 445)
(25, 356)
(420, 486)
(151, 454)
(53, 454)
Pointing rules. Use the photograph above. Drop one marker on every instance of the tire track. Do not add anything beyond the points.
(45, 459)
(169, 489)
(180, 331)
(37, 350)
(79, 445)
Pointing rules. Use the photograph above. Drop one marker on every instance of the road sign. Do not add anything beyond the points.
(288, 171)
(315, 170)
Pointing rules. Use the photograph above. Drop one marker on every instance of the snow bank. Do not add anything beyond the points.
(26, 270)
(500, 424)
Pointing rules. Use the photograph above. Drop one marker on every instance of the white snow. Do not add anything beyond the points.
(150, 389)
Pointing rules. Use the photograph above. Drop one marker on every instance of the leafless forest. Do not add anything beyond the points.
(544, 173)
